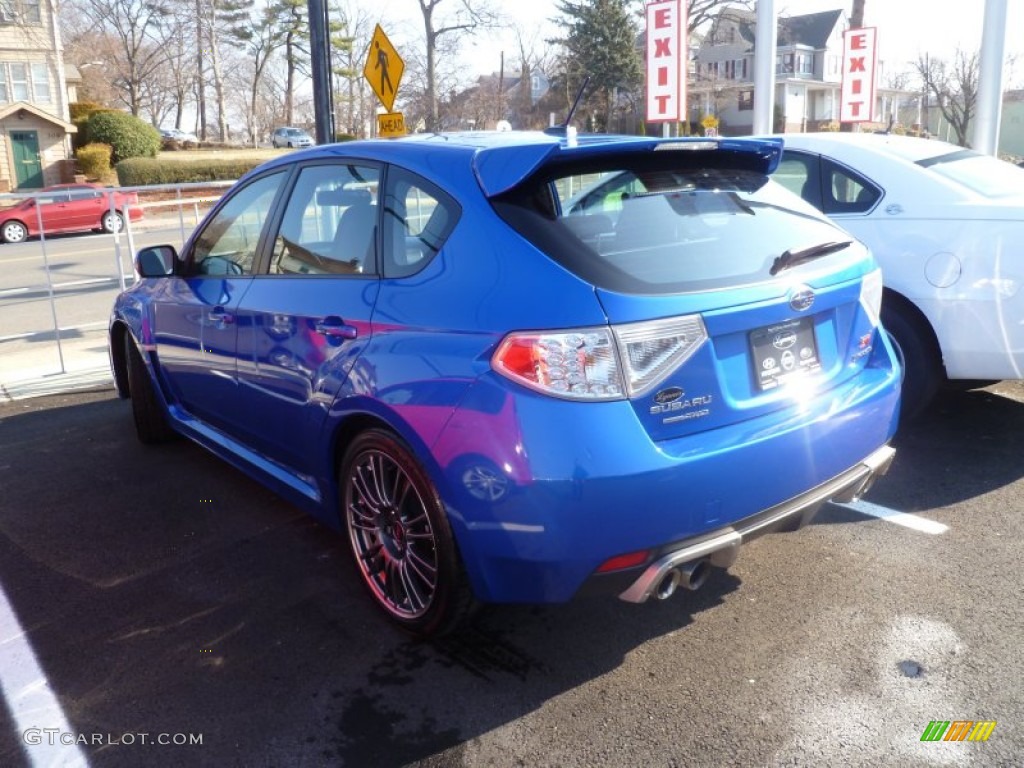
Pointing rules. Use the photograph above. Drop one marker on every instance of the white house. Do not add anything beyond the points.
(808, 73)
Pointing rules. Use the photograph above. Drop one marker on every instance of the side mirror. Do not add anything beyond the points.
(156, 261)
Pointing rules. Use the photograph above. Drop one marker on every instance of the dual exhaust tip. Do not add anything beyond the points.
(690, 576)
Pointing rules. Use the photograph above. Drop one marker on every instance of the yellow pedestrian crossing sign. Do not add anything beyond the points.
(383, 69)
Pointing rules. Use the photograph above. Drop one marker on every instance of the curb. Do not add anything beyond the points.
(55, 384)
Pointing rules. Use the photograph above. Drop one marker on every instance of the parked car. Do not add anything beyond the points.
(947, 226)
(292, 137)
(175, 134)
(503, 392)
(68, 208)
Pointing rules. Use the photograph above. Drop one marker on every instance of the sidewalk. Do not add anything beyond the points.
(33, 372)
(32, 367)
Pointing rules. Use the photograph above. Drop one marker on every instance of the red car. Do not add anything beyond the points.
(68, 208)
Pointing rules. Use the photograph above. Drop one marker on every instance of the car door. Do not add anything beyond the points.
(54, 207)
(196, 317)
(85, 208)
(306, 317)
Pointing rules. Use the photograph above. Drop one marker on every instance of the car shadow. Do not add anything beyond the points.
(165, 592)
(971, 440)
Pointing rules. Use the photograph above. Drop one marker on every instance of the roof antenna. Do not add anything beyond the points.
(563, 129)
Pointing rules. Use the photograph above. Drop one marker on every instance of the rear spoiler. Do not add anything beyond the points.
(499, 168)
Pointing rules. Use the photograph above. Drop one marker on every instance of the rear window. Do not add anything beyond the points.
(983, 174)
(657, 230)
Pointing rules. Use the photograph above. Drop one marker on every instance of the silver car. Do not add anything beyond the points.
(292, 137)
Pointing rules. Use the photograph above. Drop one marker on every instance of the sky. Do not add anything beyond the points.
(905, 28)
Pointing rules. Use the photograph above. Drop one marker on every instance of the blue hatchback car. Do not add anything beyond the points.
(515, 367)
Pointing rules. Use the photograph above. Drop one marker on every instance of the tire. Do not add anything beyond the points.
(150, 419)
(13, 232)
(112, 222)
(401, 541)
(919, 354)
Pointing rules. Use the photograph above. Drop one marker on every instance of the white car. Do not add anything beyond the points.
(947, 226)
(291, 137)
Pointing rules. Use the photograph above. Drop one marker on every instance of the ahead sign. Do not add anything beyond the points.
(666, 61)
(383, 69)
(391, 125)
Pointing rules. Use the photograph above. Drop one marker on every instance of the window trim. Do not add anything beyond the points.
(187, 257)
(265, 254)
(388, 266)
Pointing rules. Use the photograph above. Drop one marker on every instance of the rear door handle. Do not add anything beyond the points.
(335, 327)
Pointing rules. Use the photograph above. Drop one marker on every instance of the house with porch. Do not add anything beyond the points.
(808, 74)
(35, 126)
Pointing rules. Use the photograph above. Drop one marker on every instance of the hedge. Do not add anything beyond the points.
(129, 136)
(94, 160)
(141, 171)
(81, 111)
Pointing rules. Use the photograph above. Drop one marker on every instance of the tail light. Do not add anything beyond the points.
(577, 365)
(605, 363)
(871, 295)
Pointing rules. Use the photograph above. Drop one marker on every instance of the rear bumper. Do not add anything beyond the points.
(721, 547)
(540, 494)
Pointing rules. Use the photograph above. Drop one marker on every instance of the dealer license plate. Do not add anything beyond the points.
(784, 352)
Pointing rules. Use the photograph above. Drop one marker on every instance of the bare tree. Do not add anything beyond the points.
(134, 24)
(353, 100)
(700, 12)
(953, 87)
(467, 17)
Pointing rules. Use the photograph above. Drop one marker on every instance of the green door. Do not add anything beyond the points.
(28, 171)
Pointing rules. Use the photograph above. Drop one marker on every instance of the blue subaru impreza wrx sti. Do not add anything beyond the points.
(514, 367)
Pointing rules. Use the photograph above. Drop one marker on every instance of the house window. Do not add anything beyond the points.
(746, 100)
(40, 82)
(805, 64)
(3, 84)
(20, 12)
(19, 82)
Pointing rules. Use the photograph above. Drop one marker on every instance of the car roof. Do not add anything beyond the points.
(501, 159)
(909, 148)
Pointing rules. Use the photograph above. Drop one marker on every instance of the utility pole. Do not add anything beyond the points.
(765, 43)
(990, 78)
(321, 69)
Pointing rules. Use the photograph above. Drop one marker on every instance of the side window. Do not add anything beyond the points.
(799, 173)
(330, 224)
(594, 204)
(596, 193)
(227, 244)
(418, 217)
(846, 191)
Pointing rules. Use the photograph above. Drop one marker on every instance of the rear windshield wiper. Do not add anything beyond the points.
(792, 258)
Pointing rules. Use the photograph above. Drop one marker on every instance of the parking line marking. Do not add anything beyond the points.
(30, 700)
(907, 520)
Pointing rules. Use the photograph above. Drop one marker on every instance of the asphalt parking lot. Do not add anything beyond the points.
(161, 592)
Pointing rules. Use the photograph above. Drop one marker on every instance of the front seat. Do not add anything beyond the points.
(354, 240)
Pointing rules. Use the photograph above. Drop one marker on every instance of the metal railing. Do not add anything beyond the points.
(31, 274)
